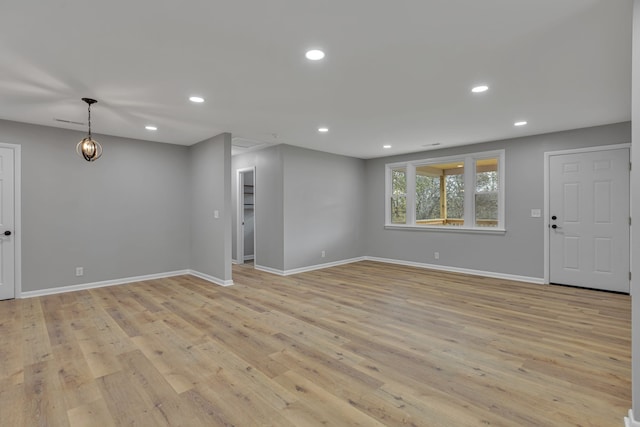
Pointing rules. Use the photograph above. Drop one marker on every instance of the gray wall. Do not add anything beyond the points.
(306, 201)
(211, 191)
(269, 227)
(125, 215)
(518, 252)
(323, 207)
(635, 207)
(147, 208)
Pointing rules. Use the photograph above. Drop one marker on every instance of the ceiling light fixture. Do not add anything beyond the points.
(314, 55)
(520, 123)
(196, 99)
(151, 127)
(89, 148)
(386, 147)
(480, 89)
(323, 129)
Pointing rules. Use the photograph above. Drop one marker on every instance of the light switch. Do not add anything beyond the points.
(536, 213)
(216, 214)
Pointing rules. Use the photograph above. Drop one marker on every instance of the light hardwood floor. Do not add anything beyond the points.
(365, 344)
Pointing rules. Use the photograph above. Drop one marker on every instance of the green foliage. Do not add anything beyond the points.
(455, 196)
(428, 197)
(486, 181)
(487, 195)
(398, 196)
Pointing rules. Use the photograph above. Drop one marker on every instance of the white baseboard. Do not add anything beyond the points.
(309, 268)
(492, 274)
(123, 281)
(630, 420)
(323, 266)
(537, 280)
(221, 282)
(93, 285)
(248, 257)
(269, 270)
(211, 279)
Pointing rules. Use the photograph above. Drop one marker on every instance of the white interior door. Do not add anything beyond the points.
(589, 219)
(7, 224)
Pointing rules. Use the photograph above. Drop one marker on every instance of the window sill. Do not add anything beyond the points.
(472, 230)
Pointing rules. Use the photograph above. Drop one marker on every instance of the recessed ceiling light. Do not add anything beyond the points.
(480, 89)
(150, 127)
(323, 129)
(386, 146)
(196, 99)
(520, 123)
(314, 55)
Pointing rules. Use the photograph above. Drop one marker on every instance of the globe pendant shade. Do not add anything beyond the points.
(89, 148)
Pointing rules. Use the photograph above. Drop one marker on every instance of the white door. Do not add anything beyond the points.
(589, 219)
(7, 223)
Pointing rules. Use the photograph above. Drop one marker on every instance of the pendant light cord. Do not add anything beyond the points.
(89, 109)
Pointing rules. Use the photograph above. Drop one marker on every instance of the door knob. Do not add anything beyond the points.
(7, 233)
(554, 226)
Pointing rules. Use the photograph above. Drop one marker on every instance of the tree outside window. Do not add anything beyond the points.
(398, 196)
(486, 194)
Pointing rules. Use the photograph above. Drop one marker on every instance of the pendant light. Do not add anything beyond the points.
(89, 148)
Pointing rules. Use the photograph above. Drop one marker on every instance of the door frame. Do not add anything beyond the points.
(240, 214)
(17, 215)
(547, 195)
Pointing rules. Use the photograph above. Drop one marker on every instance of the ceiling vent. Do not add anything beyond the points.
(71, 122)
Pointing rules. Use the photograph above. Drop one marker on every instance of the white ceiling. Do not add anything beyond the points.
(396, 72)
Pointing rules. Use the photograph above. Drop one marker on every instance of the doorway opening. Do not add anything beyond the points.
(246, 232)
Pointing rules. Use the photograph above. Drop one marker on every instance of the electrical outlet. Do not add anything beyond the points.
(436, 255)
(322, 254)
(79, 271)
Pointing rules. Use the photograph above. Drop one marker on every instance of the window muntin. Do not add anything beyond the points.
(461, 192)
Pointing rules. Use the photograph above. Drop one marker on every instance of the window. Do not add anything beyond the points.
(440, 194)
(486, 195)
(462, 192)
(399, 196)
